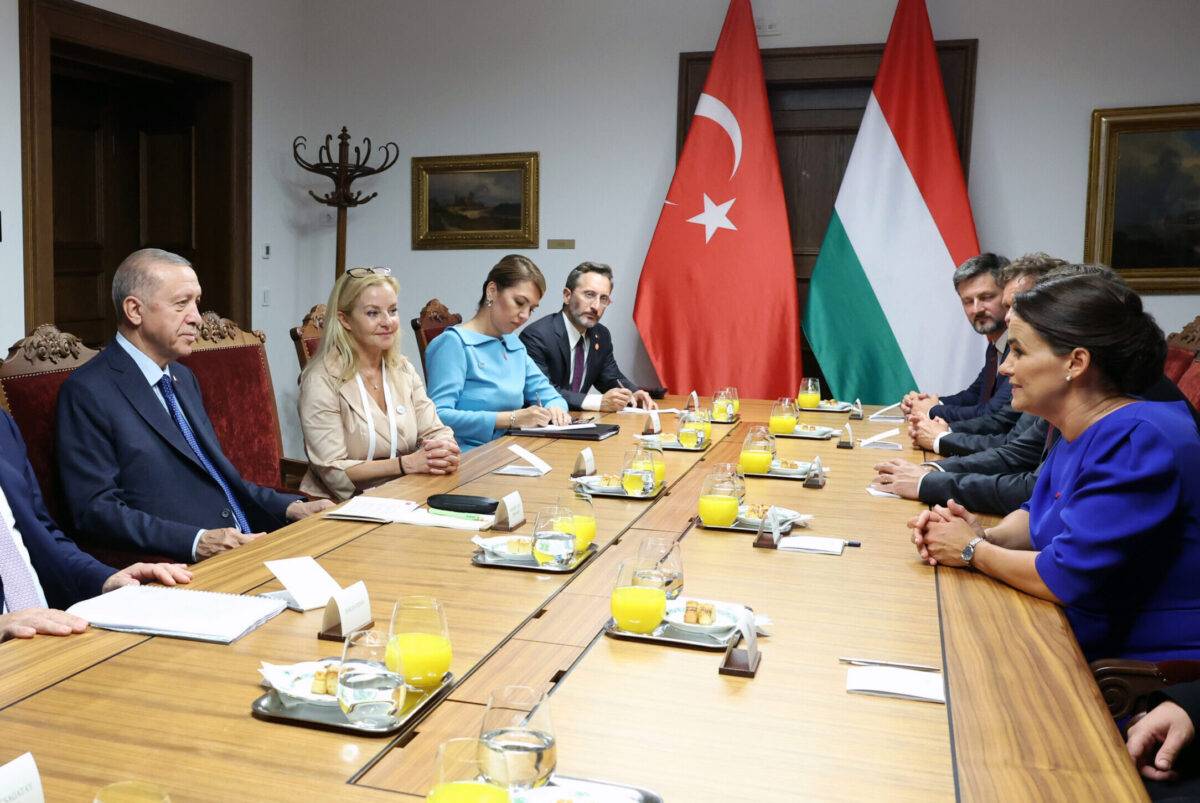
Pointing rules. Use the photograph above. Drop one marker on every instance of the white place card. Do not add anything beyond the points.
(812, 543)
(891, 681)
(510, 513)
(693, 401)
(749, 636)
(20, 781)
(308, 583)
(350, 607)
(537, 466)
(873, 491)
(585, 463)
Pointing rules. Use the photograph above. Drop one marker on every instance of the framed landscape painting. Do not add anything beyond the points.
(484, 201)
(1143, 207)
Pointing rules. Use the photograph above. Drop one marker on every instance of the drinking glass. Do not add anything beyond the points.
(691, 430)
(554, 537)
(583, 518)
(639, 597)
(131, 792)
(419, 648)
(718, 505)
(367, 690)
(458, 775)
(783, 417)
(637, 478)
(809, 396)
(757, 451)
(722, 406)
(659, 462)
(736, 474)
(664, 555)
(732, 394)
(704, 421)
(517, 749)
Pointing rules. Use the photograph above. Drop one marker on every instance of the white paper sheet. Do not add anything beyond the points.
(890, 681)
(306, 580)
(812, 543)
(873, 491)
(372, 508)
(20, 781)
(537, 466)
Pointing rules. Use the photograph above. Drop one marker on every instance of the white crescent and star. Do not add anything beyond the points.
(716, 215)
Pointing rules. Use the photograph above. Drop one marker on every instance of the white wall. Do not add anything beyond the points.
(592, 86)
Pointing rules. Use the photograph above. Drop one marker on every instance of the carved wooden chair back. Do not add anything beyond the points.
(30, 378)
(434, 319)
(307, 336)
(1126, 684)
(1182, 347)
(231, 366)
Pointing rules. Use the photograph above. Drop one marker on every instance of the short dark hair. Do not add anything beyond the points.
(1086, 269)
(986, 262)
(1088, 310)
(1037, 265)
(513, 269)
(588, 267)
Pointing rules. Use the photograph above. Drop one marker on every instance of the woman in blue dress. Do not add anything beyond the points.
(1112, 531)
(479, 375)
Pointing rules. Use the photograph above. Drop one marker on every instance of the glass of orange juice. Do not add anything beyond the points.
(722, 406)
(809, 397)
(583, 518)
(732, 394)
(783, 417)
(419, 647)
(736, 475)
(639, 600)
(637, 476)
(459, 776)
(691, 430)
(757, 451)
(718, 504)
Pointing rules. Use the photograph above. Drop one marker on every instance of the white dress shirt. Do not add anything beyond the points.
(592, 400)
(11, 521)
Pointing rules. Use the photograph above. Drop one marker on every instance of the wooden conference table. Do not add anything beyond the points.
(1024, 720)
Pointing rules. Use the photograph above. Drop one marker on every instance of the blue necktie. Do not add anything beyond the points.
(168, 392)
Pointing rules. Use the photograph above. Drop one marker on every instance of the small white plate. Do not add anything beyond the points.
(725, 616)
(786, 515)
(594, 482)
(825, 407)
(499, 546)
(803, 468)
(296, 684)
(810, 431)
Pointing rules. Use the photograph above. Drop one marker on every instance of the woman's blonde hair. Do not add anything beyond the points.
(337, 346)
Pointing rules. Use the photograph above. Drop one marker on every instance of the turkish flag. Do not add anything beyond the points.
(716, 301)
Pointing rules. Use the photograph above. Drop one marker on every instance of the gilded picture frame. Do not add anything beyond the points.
(481, 201)
(1143, 203)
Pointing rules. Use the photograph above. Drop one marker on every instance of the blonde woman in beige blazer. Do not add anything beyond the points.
(363, 408)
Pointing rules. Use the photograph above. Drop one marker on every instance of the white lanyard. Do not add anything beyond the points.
(391, 412)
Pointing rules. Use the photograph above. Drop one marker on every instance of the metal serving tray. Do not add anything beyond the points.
(666, 634)
(734, 420)
(740, 527)
(619, 493)
(772, 475)
(490, 561)
(601, 790)
(808, 436)
(271, 707)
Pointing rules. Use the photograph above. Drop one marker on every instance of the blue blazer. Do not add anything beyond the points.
(967, 403)
(546, 341)
(67, 573)
(130, 480)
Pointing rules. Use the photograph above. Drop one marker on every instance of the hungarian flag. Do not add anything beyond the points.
(882, 315)
(716, 301)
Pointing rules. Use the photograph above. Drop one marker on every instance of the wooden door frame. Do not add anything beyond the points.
(801, 66)
(44, 21)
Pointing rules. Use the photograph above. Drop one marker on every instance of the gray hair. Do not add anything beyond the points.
(133, 276)
(977, 266)
(1085, 269)
(1037, 265)
(588, 267)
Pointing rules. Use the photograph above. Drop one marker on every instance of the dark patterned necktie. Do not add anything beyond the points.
(168, 392)
(989, 374)
(577, 370)
(20, 592)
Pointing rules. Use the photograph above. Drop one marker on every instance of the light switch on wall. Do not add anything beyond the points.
(266, 251)
(266, 297)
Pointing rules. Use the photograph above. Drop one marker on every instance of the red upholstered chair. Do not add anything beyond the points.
(1181, 350)
(30, 378)
(1189, 383)
(307, 336)
(231, 367)
(434, 319)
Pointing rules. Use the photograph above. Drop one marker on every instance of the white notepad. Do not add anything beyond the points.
(373, 508)
(812, 543)
(178, 612)
(891, 681)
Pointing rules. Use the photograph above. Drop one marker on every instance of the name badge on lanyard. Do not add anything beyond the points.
(387, 404)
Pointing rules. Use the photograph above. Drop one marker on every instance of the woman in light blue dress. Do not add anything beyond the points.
(479, 375)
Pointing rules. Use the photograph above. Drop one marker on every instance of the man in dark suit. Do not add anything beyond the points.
(140, 463)
(41, 570)
(977, 282)
(575, 352)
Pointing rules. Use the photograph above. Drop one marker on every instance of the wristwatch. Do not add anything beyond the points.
(968, 552)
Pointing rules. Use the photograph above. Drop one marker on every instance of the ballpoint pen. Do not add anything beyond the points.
(898, 665)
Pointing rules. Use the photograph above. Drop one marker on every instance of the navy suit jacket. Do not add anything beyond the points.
(130, 479)
(67, 573)
(546, 341)
(966, 403)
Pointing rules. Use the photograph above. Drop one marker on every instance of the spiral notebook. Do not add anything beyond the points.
(178, 612)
